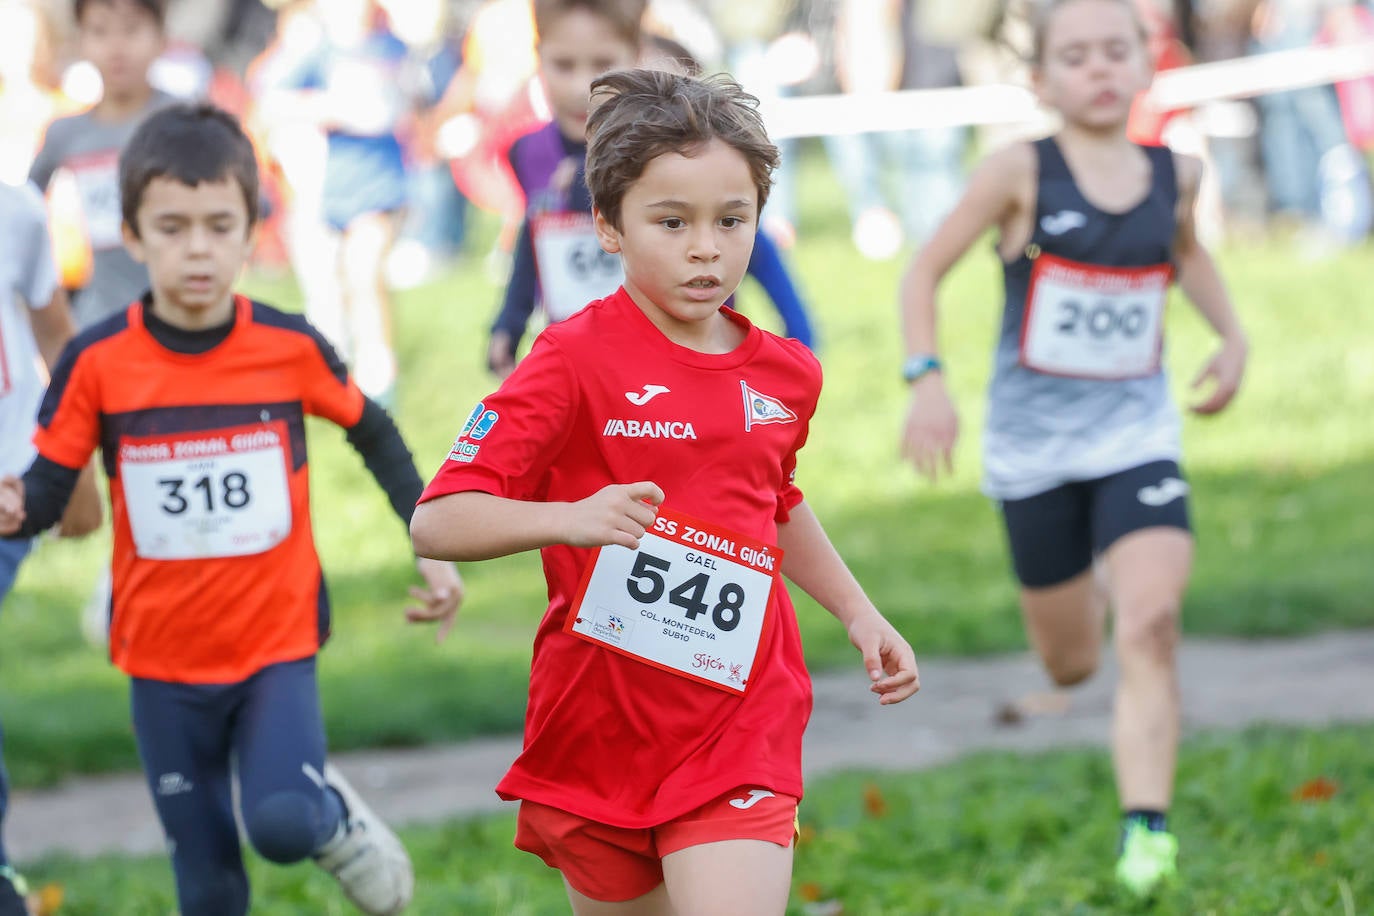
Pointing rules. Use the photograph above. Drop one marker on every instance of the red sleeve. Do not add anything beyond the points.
(790, 495)
(69, 420)
(509, 440)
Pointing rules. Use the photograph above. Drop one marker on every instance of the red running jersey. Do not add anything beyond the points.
(605, 398)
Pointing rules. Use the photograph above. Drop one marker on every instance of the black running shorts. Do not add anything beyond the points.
(1055, 535)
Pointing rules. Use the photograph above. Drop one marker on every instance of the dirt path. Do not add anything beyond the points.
(1226, 684)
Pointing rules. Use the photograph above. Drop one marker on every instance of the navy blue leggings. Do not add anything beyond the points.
(270, 727)
(12, 553)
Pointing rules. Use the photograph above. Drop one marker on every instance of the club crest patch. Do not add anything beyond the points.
(760, 408)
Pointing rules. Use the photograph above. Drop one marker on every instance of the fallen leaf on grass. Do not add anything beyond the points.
(1320, 858)
(810, 891)
(874, 802)
(46, 901)
(1315, 790)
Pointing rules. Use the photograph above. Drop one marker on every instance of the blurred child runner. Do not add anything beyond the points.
(557, 261)
(29, 96)
(197, 398)
(34, 322)
(1081, 447)
(121, 38)
(647, 446)
(360, 86)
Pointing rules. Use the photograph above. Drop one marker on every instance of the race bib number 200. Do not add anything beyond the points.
(1093, 322)
(691, 600)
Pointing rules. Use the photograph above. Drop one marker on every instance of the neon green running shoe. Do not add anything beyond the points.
(1148, 858)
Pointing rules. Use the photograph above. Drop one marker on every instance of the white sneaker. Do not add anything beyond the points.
(367, 860)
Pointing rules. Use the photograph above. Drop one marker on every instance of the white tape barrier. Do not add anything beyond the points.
(1185, 87)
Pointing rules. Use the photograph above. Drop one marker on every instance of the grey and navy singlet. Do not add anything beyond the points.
(1045, 430)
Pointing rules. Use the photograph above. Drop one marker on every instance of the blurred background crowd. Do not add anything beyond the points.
(459, 84)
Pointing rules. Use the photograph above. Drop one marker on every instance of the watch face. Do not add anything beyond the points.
(917, 366)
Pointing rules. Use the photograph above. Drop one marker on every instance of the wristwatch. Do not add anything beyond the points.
(918, 365)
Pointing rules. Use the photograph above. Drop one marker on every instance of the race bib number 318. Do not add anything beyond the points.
(218, 493)
(691, 600)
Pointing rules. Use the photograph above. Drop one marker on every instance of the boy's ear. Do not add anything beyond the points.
(132, 243)
(606, 234)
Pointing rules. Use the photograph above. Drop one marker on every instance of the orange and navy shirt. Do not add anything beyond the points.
(215, 574)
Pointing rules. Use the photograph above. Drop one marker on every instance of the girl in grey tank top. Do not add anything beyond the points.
(1045, 428)
(1082, 439)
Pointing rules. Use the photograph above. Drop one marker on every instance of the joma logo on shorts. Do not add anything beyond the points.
(755, 795)
(1165, 492)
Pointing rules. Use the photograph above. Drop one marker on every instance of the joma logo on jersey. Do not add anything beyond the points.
(649, 429)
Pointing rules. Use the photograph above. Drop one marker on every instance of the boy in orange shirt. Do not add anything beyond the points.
(197, 399)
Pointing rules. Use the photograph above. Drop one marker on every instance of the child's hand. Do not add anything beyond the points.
(11, 504)
(615, 514)
(888, 657)
(500, 355)
(1226, 368)
(932, 427)
(440, 600)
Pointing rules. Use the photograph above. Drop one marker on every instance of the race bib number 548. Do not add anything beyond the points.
(691, 600)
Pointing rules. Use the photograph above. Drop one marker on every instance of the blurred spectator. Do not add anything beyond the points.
(122, 38)
(29, 97)
(1353, 23)
(901, 183)
(295, 148)
(436, 219)
(1221, 30)
(770, 51)
(358, 85)
(1179, 129)
(492, 99)
(1316, 179)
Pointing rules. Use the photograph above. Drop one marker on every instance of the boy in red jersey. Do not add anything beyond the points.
(197, 399)
(647, 445)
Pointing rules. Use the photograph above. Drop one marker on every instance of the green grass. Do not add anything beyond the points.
(1282, 485)
(994, 834)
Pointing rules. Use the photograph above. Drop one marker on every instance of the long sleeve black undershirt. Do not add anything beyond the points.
(48, 485)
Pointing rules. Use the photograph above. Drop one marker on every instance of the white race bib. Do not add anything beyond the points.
(1086, 321)
(97, 183)
(195, 496)
(691, 600)
(573, 268)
